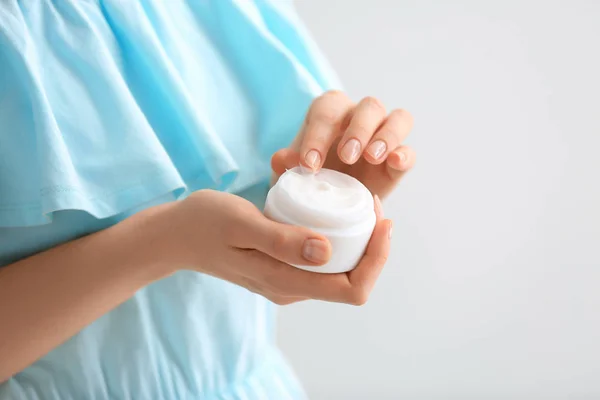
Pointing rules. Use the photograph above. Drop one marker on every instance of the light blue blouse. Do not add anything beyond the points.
(110, 106)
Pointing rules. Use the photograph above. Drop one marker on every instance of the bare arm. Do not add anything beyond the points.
(49, 297)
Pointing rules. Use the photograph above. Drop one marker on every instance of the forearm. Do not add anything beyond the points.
(48, 297)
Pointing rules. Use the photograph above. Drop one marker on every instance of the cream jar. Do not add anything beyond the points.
(331, 203)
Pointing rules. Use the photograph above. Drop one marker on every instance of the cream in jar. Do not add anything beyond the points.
(331, 203)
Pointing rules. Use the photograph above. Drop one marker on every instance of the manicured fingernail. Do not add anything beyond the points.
(306, 170)
(376, 149)
(390, 230)
(315, 250)
(313, 159)
(351, 151)
(378, 207)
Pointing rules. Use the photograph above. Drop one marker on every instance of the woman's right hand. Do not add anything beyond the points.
(49, 296)
(226, 236)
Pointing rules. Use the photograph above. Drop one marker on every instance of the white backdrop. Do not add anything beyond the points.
(493, 287)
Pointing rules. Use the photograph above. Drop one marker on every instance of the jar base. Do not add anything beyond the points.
(324, 269)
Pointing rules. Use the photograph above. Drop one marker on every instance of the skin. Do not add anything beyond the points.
(50, 296)
(333, 122)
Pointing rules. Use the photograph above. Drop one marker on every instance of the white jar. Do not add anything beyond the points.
(331, 203)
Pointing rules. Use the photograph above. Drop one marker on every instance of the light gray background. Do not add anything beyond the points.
(493, 286)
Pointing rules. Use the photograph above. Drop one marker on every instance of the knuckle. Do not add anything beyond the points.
(360, 130)
(328, 108)
(279, 240)
(387, 133)
(412, 155)
(373, 103)
(324, 115)
(200, 197)
(333, 94)
(358, 297)
(401, 113)
(380, 260)
(280, 301)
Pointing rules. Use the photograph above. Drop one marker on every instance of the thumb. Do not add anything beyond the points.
(283, 160)
(287, 243)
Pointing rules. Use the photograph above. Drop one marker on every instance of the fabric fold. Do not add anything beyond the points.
(106, 105)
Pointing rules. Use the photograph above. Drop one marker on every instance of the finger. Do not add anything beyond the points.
(364, 276)
(378, 208)
(400, 161)
(286, 300)
(351, 288)
(283, 160)
(281, 300)
(277, 279)
(389, 136)
(286, 243)
(323, 124)
(366, 118)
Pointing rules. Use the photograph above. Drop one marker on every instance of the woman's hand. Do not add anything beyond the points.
(361, 140)
(48, 297)
(228, 237)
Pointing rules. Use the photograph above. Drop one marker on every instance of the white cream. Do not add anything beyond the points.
(328, 202)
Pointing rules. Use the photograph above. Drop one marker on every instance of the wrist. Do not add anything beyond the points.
(147, 239)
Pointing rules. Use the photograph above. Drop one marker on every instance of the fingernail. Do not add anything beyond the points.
(315, 250)
(351, 151)
(378, 207)
(390, 230)
(306, 170)
(313, 159)
(402, 157)
(376, 149)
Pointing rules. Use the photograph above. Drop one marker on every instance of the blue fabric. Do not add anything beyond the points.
(110, 106)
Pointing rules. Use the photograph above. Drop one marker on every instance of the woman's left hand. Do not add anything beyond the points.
(361, 140)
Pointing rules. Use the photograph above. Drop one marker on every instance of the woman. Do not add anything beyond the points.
(109, 111)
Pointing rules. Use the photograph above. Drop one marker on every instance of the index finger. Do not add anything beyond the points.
(350, 288)
(363, 278)
(283, 279)
(353, 287)
(323, 125)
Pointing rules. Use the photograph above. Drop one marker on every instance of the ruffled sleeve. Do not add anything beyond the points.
(107, 105)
